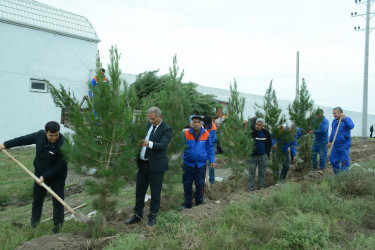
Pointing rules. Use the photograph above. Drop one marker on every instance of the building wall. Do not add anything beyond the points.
(251, 99)
(27, 53)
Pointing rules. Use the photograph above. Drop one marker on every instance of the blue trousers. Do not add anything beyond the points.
(321, 149)
(196, 175)
(339, 158)
(286, 166)
(211, 171)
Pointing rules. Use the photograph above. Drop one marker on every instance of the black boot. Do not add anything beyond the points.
(56, 229)
(133, 219)
(151, 220)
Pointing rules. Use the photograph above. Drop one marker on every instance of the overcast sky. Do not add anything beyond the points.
(217, 41)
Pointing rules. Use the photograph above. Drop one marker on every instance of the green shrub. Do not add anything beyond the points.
(361, 241)
(305, 231)
(126, 241)
(356, 182)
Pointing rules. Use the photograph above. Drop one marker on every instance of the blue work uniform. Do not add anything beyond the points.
(339, 157)
(320, 144)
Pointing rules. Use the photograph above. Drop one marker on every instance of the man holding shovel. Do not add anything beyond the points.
(50, 167)
(340, 141)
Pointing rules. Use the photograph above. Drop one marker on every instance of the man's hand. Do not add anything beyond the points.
(328, 145)
(213, 165)
(275, 146)
(143, 143)
(310, 132)
(342, 116)
(2, 147)
(40, 181)
(294, 159)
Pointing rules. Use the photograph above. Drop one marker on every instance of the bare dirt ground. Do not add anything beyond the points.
(217, 196)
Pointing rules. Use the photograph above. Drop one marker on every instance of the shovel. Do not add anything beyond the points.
(80, 216)
(333, 141)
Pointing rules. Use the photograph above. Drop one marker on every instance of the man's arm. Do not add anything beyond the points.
(323, 127)
(93, 83)
(213, 136)
(20, 141)
(348, 122)
(210, 152)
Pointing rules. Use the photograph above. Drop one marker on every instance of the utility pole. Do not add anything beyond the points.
(297, 75)
(365, 72)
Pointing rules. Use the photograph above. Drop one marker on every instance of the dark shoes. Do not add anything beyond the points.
(151, 221)
(56, 229)
(134, 219)
(182, 208)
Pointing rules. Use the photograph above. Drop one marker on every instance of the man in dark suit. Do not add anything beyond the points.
(50, 167)
(152, 163)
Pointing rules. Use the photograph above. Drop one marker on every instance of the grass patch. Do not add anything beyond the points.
(16, 184)
(338, 213)
(295, 216)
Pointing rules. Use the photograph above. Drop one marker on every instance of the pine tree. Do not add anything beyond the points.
(176, 108)
(149, 85)
(304, 117)
(275, 121)
(271, 111)
(105, 141)
(236, 140)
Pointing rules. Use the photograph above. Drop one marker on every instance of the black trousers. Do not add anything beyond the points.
(39, 193)
(146, 177)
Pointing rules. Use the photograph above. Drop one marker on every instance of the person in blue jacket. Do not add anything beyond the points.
(288, 140)
(320, 142)
(94, 82)
(339, 157)
(211, 128)
(198, 150)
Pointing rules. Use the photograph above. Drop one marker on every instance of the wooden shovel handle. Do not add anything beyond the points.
(37, 179)
(333, 141)
(337, 130)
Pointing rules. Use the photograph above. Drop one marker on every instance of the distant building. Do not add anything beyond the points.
(223, 95)
(40, 42)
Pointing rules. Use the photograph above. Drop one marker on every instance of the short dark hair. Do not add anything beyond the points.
(52, 127)
(103, 70)
(207, 120)
(320, 111)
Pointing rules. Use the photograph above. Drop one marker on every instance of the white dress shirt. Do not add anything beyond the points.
(150, 143)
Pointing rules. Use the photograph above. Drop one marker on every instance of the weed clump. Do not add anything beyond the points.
(358, 182)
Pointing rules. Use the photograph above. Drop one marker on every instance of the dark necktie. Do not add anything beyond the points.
(147, 148)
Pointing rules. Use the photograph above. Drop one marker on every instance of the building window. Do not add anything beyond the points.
(225, 109)
(37, 85)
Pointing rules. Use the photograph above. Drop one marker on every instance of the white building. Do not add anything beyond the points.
(40, 42)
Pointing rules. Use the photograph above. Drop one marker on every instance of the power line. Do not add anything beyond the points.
(341, 15)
